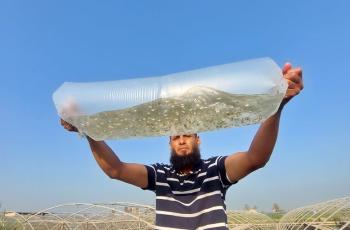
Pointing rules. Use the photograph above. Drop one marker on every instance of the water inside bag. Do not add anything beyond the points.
(198, 109)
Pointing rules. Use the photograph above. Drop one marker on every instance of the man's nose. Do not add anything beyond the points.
(182, 139)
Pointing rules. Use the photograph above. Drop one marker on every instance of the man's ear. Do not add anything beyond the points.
(198, 140)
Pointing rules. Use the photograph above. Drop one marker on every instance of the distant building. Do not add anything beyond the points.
(10, 214)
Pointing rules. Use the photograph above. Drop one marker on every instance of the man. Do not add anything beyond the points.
(190, 192)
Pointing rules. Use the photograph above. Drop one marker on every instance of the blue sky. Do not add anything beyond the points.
(45, 43)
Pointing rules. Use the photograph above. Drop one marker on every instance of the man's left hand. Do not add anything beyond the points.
(295, 82)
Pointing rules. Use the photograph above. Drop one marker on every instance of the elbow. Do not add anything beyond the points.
(113, 174)
(258, 162)
(259, 165)
(114, 171)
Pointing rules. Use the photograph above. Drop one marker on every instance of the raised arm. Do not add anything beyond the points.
(135, 174)
(240, 164)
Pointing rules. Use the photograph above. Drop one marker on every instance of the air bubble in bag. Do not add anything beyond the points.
(229, 95)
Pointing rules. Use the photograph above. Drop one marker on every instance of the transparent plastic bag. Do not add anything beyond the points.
(222, 96)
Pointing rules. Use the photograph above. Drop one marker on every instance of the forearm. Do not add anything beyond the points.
(264, 141)
(105, 157)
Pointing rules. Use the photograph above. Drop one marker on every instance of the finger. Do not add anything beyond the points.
(298, 71)
(292, 92)
(294, 79)
(71, 129)
(291, 84)
(286, 67)
(294, 75)
(63, 122)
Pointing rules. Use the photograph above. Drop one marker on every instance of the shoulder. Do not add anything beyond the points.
(161, 168)
(210, 159)
(215, 160)
(212, 164)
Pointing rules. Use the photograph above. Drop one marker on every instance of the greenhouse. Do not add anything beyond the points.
(249, 220)
(84, 216)
(334, 214)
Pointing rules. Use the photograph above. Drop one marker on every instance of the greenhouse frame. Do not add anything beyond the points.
(333, 214)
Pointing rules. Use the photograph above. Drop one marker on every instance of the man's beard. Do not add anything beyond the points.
(188, 161)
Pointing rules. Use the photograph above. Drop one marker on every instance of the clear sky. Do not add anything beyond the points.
(45, 43)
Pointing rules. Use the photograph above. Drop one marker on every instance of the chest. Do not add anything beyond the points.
(194, 184)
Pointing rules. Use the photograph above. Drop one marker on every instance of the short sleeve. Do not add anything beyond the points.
(222, 172)
(151, 175)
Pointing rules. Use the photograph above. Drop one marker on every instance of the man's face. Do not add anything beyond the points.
(184, 151)
(184, 144)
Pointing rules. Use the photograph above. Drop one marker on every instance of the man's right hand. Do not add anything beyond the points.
(68, 126)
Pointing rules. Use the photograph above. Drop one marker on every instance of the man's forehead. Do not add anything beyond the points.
(190, 134)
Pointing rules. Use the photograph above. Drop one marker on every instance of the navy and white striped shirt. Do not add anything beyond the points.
(192, 201)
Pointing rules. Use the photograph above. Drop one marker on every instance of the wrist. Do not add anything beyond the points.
(283, 103)
(279, 110)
